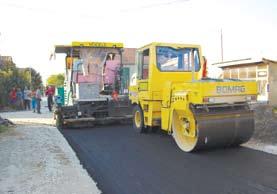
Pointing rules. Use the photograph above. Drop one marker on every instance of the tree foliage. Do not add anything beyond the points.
(36, 80)
(13, 77)
(56, 80)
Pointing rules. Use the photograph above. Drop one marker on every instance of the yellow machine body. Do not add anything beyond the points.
(183, 103)
(98, 44)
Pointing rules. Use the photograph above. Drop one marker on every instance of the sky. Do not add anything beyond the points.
(29, 29)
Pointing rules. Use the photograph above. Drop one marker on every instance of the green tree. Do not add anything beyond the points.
(56, 80)
(13, 77)
(36, 80)
(29, 77)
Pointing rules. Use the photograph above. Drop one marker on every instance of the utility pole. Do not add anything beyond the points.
(221, 44)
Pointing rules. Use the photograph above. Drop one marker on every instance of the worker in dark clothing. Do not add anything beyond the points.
(49, 93)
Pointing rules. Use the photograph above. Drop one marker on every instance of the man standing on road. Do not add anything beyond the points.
(27, 98)
(19, 99)
(49, 93)
(38, 99)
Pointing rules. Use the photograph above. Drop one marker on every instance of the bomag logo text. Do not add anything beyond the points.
(230, 89)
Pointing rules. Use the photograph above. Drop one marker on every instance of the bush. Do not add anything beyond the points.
(11, 76)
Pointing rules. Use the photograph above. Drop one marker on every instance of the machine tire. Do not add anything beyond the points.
(59, 121)
(138, 121)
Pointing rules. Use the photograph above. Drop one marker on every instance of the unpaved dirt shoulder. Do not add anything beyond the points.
(36, 158)
(265, 134)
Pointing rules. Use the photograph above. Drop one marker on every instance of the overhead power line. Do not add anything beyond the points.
(154, 5)
(53, 11)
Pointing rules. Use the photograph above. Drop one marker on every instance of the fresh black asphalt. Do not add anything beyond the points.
(122, 161)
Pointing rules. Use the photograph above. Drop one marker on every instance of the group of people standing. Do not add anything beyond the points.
(30, 99)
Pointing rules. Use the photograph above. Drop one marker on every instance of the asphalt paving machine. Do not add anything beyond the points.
(94, 91)
(172, 93)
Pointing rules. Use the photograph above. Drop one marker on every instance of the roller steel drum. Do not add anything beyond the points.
(216, 128)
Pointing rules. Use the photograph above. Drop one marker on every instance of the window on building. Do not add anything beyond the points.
(226, 73)
(243, 73)
(262, 73)
(251, 72)
(234, 74)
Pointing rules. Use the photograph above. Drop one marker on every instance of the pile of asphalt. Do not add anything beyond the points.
(265, 124)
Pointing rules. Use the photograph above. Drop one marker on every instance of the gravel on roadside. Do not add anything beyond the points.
(265, 134)
(36, 158)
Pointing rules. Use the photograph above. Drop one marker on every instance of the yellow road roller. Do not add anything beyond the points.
(171, 92)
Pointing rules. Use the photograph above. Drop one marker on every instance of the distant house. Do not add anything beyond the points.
(129, 68)
(5, 60)
(128, 56)
(264, 71)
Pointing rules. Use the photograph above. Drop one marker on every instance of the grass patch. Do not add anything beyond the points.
(3, 128)
(274, 110)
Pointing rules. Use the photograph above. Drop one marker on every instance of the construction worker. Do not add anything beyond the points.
(49, 93)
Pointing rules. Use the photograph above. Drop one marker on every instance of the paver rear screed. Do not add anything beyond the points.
(123, 162)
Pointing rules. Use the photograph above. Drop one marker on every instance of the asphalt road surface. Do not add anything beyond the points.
(122, 161)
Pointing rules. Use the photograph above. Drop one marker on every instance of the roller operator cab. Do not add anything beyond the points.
(171, 93)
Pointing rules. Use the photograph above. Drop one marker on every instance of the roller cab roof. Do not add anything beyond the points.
(173, 45)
